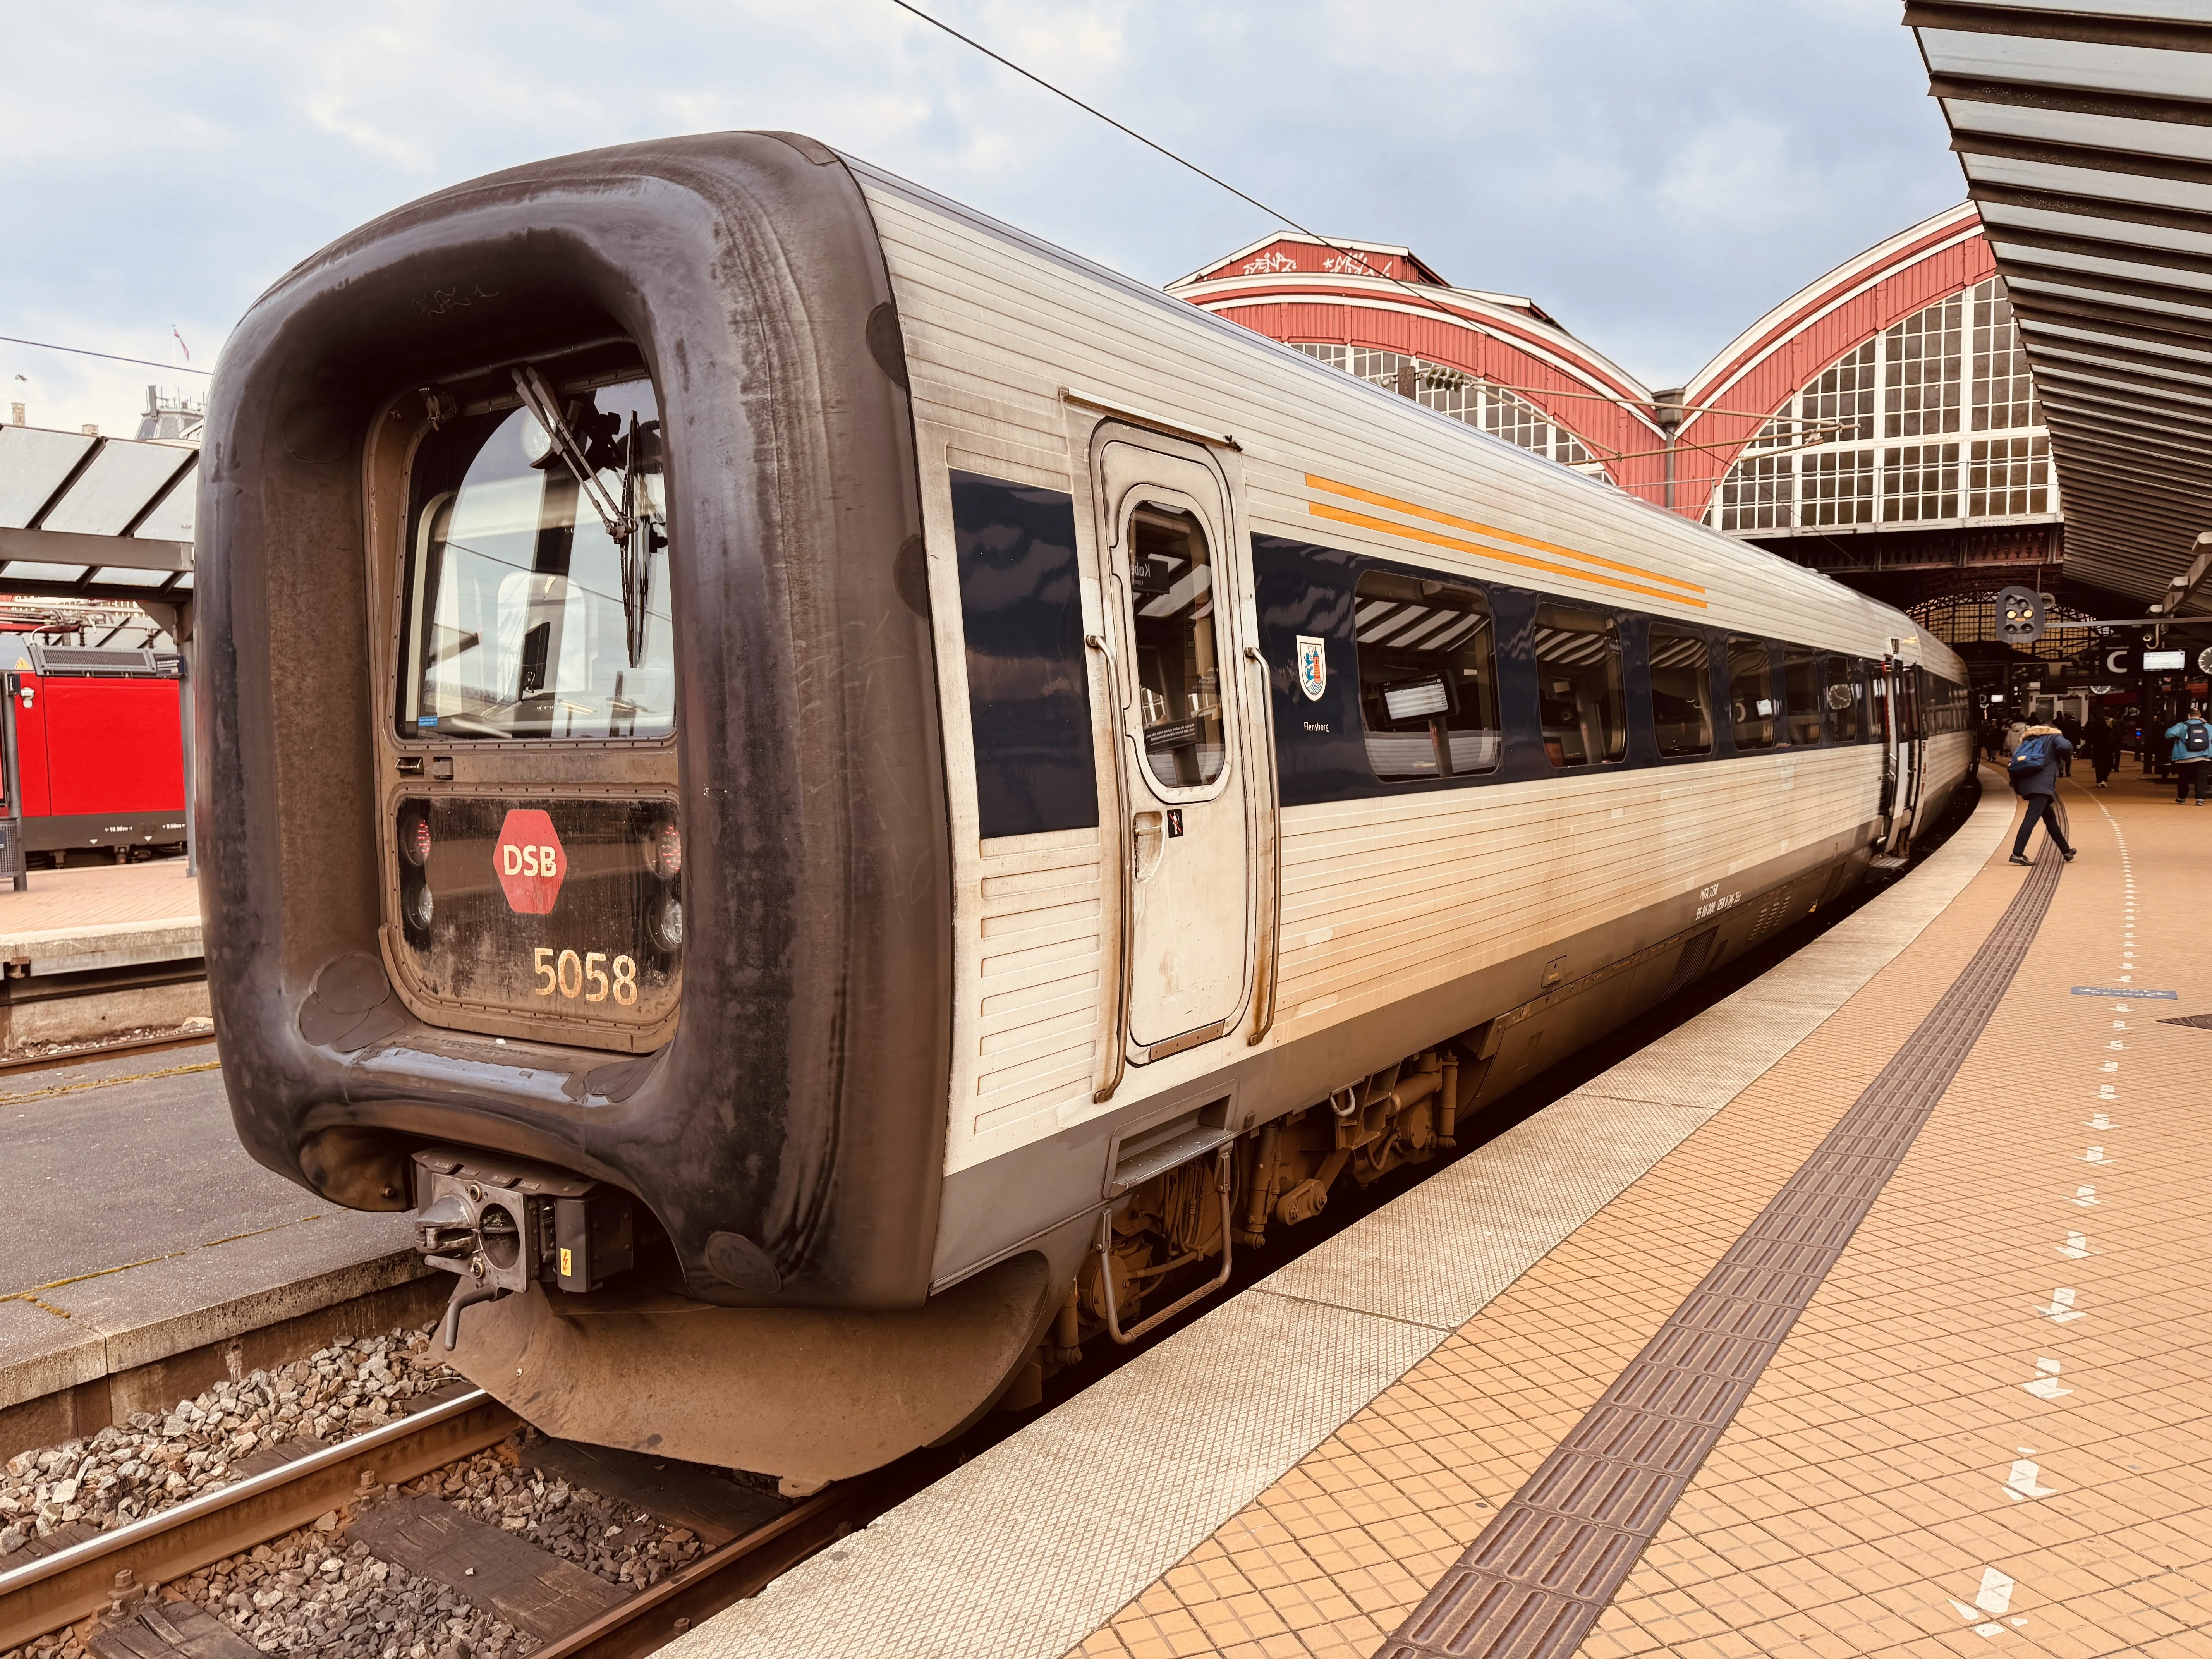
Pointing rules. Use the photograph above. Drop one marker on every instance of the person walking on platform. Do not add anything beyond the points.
(2034, 776)
(2070, 729)
(2103, 743)
(2192, 754)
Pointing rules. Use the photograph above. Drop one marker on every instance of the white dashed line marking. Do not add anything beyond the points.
(2062, 1309)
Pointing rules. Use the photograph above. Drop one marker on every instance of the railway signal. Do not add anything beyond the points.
(2021, 616)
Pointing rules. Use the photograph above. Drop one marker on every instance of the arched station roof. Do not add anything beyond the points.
(1496, 360)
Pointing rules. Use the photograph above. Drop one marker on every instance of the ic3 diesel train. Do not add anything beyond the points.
(845, 803)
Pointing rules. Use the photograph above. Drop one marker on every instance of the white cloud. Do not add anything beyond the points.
(1655, 176)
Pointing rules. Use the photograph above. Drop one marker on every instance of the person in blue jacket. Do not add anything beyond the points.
(2034, 776)
(2192, 754)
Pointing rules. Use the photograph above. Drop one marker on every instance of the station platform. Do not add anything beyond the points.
(1869, 1312)
(93, 952)
(147, 1255)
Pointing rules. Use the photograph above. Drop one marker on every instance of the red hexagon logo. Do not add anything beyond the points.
(529, 859)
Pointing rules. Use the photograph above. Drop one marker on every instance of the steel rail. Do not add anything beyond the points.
(60, 1589)
(79, 1056)
(743, 1567)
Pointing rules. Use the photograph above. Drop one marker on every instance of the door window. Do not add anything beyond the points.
(1428, 677)
(1682, 692)
(1751, 693)
(1801, 678)
(1578, 678)
(1178, 687)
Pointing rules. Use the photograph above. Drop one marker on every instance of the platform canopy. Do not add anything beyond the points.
(84, 517)
(2085, 129)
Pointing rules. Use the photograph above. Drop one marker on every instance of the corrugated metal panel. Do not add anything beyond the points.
(2082, 133)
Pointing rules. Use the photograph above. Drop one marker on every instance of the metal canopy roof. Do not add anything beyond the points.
(93, 517)
(2085, 129)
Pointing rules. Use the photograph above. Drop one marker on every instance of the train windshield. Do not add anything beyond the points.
(537, 574)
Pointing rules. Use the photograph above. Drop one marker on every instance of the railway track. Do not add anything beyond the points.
(104, 1589)
(98, 1587)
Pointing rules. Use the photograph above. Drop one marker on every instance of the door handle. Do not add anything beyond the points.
(1117, 1047)
(1270, 946)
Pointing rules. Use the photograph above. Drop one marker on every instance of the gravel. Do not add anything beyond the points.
(124, 1473)
(314, 1591)
(617, 1540)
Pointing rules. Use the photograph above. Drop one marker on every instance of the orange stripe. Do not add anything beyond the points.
(1322, 510)
(1356, 494)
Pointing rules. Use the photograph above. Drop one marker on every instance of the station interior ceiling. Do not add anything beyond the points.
(2086, 139)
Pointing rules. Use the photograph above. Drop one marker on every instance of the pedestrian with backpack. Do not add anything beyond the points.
(2192, 754)
(2033, 775)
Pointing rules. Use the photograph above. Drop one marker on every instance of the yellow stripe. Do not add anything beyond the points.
(1322, 510)
(1354, 493)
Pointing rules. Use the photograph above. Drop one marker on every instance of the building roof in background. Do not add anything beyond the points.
(92, 518)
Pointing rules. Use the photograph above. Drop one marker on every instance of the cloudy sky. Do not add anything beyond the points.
(1656, 175)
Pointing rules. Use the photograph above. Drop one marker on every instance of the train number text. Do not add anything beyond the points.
(569, 973)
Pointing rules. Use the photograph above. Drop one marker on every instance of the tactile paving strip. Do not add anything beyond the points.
(1536, 1581)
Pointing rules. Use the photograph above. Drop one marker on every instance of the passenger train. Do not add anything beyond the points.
(845, 803)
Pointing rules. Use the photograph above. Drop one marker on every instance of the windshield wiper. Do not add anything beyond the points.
(628, 529)
(537, 398)
(638, 547)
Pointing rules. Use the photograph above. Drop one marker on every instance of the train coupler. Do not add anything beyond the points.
(502, 1225)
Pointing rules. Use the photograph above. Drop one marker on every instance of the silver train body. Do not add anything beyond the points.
(1129, 778)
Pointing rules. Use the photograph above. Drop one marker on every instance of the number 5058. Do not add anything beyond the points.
(569, 973)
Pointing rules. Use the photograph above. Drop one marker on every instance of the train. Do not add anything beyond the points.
(93, 743)
(844, 803)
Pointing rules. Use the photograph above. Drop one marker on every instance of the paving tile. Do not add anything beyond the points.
(1872, 1479)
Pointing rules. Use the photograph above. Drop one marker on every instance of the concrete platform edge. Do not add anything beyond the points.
(1025, 1551)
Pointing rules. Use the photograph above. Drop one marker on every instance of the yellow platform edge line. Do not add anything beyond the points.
(1343, 515)
(1354, 492)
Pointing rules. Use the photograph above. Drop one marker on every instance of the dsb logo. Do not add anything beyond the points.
(531, 861)
(528, 861)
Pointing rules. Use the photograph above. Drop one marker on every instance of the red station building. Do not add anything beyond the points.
(1879, 424)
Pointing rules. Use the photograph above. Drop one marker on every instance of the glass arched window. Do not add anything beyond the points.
(1932, 421)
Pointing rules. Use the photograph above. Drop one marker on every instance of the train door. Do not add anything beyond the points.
(1168, 582)
(1900, 760)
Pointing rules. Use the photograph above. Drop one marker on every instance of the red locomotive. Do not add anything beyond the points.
(95, 748)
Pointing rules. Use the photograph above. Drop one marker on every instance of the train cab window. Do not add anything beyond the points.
(1428, 677)
(1178, 656)
(1682, 692)
(1801, 685)
(525, 618)
(1752, 708)
(1579, 686)
(1846, 696)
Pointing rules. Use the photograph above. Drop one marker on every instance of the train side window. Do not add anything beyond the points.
(1801, 684)
(1682, 692)
(1428, 677)
(1579, 685)
(1752, 708)
(1029, 695)
(1178, 661)
(1845, 695)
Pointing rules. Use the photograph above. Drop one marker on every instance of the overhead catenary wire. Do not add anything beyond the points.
(1422, 297)
(81, 351)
